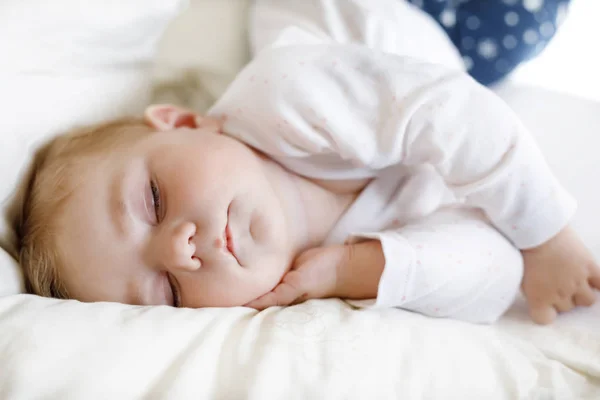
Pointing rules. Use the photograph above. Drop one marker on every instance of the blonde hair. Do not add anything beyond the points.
(49, 184)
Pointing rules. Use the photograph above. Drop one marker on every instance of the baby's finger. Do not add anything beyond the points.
(585, 296)
(594, 279)
(564, 305)
(264, 301)
(542, 315)
(286, 293)
(301, 299)
(282, 295)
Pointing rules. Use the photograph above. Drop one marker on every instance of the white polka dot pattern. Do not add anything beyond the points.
(530, 37)
(487, 48)
(510, 42)
(511, 18)
(533, 5)
(448, 18)
(547, 29)
(520, 30)
(468, 62)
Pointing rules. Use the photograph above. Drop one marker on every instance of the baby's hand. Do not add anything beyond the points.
(314, 275)
(559, 275)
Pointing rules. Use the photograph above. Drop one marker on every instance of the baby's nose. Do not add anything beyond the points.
(180, 249)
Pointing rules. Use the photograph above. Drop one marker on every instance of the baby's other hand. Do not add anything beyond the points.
(559, 275)
(314, 275)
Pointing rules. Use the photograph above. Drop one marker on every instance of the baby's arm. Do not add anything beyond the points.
(347, 271)
(307, 104)
(451, 264)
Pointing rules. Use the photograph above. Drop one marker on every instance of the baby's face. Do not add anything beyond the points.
(187, 208)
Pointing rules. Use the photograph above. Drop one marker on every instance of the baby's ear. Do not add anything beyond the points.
(166, 117)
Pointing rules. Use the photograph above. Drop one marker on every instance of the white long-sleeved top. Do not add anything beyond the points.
(429, 137)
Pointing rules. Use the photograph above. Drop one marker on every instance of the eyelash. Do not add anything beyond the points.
(155, 199)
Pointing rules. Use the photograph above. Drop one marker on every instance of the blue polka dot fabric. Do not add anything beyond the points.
(495, 36)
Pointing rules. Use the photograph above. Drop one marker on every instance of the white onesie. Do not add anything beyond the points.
(458, 183)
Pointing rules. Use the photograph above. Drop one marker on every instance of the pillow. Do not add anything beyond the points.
(192, 68)
(68, 63)
(11, 281)
(193, 71)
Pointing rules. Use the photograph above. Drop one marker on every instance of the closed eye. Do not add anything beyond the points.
(156, 200)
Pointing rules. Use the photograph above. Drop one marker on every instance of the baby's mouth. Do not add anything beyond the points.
(229, 244)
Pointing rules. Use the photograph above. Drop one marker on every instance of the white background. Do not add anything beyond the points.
(571, 62)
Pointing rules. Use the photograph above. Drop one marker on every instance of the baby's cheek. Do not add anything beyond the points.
(223, 291)
(243, 291)
(265, 228)
(269, 271)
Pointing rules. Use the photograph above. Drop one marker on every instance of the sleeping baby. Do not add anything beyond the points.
(325, 170)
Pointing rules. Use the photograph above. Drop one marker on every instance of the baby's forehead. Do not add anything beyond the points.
(86, 202)
(81, 179)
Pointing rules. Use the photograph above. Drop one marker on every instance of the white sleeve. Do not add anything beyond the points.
(341, 111)
(451, 264)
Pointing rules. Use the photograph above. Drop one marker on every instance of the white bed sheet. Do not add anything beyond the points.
(318, 350)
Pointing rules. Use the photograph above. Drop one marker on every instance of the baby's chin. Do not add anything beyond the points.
(252, 284)
(237, 297)
(263, 291)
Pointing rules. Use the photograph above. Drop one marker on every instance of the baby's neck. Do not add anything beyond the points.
(312, 210)
(322, 208)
